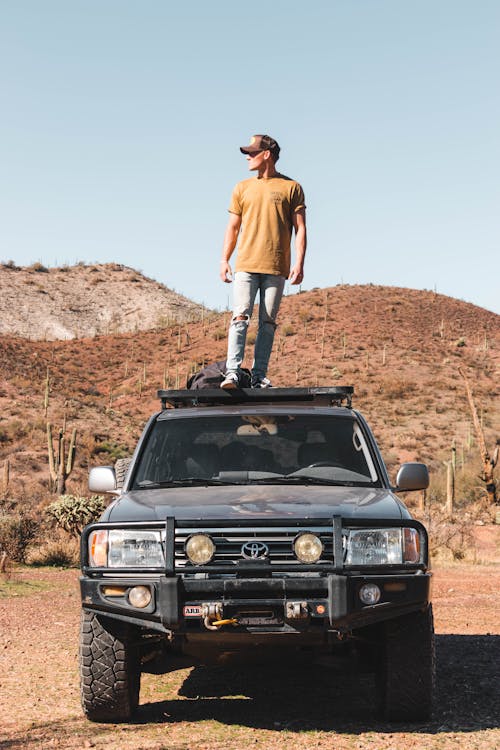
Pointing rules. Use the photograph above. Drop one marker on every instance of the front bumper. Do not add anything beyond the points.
(277, 604)
(256, 596)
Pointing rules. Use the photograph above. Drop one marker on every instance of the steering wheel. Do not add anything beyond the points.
(322, 463)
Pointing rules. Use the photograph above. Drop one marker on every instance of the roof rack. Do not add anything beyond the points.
(321, 395)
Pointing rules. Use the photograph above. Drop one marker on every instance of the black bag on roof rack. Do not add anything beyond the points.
(212, 376)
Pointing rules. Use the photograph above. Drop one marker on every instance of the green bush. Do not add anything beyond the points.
(16, 532)
(111, 449)
(72, 512)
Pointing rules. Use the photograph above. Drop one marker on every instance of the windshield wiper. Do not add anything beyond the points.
(147, 484)
(302, 479)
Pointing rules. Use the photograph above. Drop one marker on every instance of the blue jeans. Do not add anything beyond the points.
(246, 286)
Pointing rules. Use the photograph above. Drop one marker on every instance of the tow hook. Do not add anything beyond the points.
(211, 614)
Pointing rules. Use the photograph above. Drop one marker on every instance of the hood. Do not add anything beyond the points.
(244, 502)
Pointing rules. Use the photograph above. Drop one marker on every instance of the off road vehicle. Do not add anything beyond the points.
(254, 522)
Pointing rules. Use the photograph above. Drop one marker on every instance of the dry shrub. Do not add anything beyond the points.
(17, 531)
(397, 388)
(38, 267)
(470, 491)
(408, 441)
(14, 430)
(57, 550)
(450, 538)
(305, 315)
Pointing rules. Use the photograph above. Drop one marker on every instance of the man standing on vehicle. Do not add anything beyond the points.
(267, 208)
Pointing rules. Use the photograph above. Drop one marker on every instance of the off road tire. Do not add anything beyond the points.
(109, 669)
(406, 667)
(121, 468)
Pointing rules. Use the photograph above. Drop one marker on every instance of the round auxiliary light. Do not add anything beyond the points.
(369, 593)
(308, 547)
(200, 549)
(139, 596)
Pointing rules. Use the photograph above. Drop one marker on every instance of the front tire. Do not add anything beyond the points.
(109, 668)
(406, 668)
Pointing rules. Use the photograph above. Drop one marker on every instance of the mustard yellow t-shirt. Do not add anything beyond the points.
(266, 207)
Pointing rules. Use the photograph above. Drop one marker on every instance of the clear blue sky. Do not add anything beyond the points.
(121, 120)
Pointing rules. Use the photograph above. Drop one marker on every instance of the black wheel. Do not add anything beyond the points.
(406, 667)
(110, 671)
(121, 468)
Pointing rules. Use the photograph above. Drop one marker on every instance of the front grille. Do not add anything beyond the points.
(229, 543)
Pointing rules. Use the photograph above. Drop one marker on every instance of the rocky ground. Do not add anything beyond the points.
(212, 709)
(69, 302)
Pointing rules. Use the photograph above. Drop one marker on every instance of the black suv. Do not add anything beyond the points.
(252, 520)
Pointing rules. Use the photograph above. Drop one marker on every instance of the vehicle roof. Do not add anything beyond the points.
(260, 409)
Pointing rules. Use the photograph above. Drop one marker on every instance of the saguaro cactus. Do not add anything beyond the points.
(489, 460)
(46, 394)
(60, 465)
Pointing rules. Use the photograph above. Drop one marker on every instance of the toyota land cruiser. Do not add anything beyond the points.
(252, 520)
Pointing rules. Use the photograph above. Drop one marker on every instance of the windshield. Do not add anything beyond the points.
(245, 449)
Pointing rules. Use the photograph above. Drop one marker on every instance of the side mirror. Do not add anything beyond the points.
(102, 479)
(412, 476)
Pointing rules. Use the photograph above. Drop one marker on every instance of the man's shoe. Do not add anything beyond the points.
(262, 383)
(231, 380)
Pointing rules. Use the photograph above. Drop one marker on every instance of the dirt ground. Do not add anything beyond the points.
(202, 708)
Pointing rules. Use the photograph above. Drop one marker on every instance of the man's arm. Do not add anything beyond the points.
(299, 224)
(230, 240)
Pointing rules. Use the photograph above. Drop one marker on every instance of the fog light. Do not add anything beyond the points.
(139, 596)
(395, 586)
(200, 549)
(369, 593)
(113, 590)
(308, 547)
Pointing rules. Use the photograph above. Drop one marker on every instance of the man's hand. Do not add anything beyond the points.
(296, 275)
(226, 273)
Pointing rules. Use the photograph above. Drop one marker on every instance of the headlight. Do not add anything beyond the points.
(411, 546)
(308, 547)
(200, 549)
(126, 548)
(374, 547)
(98, 549)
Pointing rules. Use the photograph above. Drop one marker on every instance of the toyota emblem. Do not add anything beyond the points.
(254, 550)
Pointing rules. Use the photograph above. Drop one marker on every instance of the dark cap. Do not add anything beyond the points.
(261, 143)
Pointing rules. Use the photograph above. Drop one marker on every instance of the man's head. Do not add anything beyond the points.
(262, 143)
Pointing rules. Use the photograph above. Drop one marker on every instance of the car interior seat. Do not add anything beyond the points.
(203, 461)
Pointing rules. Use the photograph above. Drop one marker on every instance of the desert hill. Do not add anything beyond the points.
(400, 348)
(69, 302)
